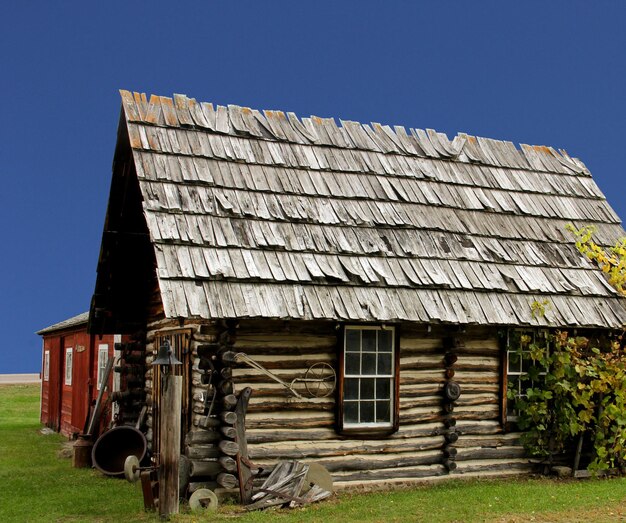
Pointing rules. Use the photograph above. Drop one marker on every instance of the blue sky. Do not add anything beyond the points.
(545, 73)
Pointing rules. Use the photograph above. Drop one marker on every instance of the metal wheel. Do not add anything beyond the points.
(131, 468)
(202, 500)
(320, 380)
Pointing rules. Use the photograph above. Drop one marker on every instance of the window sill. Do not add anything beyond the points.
(367, 431)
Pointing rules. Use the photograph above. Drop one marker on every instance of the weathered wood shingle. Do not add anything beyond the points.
(265, 215)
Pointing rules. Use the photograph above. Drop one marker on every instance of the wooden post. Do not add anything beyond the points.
(169, 426)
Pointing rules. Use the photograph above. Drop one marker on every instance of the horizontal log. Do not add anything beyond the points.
(492, 466)
(467, 454)
(284, 343)
(229, 432)
(368, 463)
(466, 400)
(227, 480)
(479, 427)
(421, 417)
(468, 366)
(273, 435)
(394, 473)
(229, 402)
(409, 343)
(325, 449)
(202, 451)
(199, 436)
(230, 448)
(204, 468)
(228, 417)
(273, 406)
(228, 464)
(416, 377)
(511, 439)
(303, 422)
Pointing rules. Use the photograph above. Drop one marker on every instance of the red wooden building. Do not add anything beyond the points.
(73, 363)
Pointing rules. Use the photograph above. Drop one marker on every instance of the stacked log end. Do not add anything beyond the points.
(131, 396)
(451, 392)
(211, 446)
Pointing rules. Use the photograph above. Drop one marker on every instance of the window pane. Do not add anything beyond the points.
(351, 389)
(368, 376)
(353, 340)
(510, 407)
(369, 340)
(367, 412)
(382, 411)
(526, 361)
(515, 362)
(369, 364)
(351, 412)
(383, 389)
(353, 363)
(367, 389)
(384, 340)
(384, 363)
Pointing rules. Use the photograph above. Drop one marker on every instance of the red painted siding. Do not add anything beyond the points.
(65, 408)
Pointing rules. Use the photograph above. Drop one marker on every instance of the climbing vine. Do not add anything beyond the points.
(572, 386)
(575, 386)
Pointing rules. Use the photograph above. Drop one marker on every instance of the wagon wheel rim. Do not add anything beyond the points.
(320, 380)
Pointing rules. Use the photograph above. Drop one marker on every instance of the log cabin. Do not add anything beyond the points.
(362, 280)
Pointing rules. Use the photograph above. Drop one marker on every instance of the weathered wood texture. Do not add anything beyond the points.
(255, 215)
(281, 426)
(170, 430)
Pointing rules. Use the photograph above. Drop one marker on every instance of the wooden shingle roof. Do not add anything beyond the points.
(74, 321)
(268, 215)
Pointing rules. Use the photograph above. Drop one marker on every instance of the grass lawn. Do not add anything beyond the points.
(37, 485)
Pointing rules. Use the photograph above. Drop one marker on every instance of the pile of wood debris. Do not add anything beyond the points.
(292, 484)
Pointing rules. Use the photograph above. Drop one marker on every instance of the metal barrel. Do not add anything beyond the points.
(114, 446)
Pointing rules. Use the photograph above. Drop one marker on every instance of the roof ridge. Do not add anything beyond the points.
(181, 111)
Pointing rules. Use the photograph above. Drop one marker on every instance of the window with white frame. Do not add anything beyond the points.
(522, 372)
(103, 357)
(46, 365)
(68, 365)
(368, 374)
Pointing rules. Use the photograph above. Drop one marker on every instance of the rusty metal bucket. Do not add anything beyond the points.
(114, 446)
(81, 453)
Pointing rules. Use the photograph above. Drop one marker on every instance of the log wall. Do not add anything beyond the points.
(434, 440)
(282, 426)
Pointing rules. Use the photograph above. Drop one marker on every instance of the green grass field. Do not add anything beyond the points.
(37, 485)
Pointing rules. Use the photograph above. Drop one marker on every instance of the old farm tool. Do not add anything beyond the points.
(319, 380)
(149, 483)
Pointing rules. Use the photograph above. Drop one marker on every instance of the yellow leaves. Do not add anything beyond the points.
(538, 309)
(611, 262)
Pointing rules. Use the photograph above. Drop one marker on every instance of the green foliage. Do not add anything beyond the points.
(573, 386)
